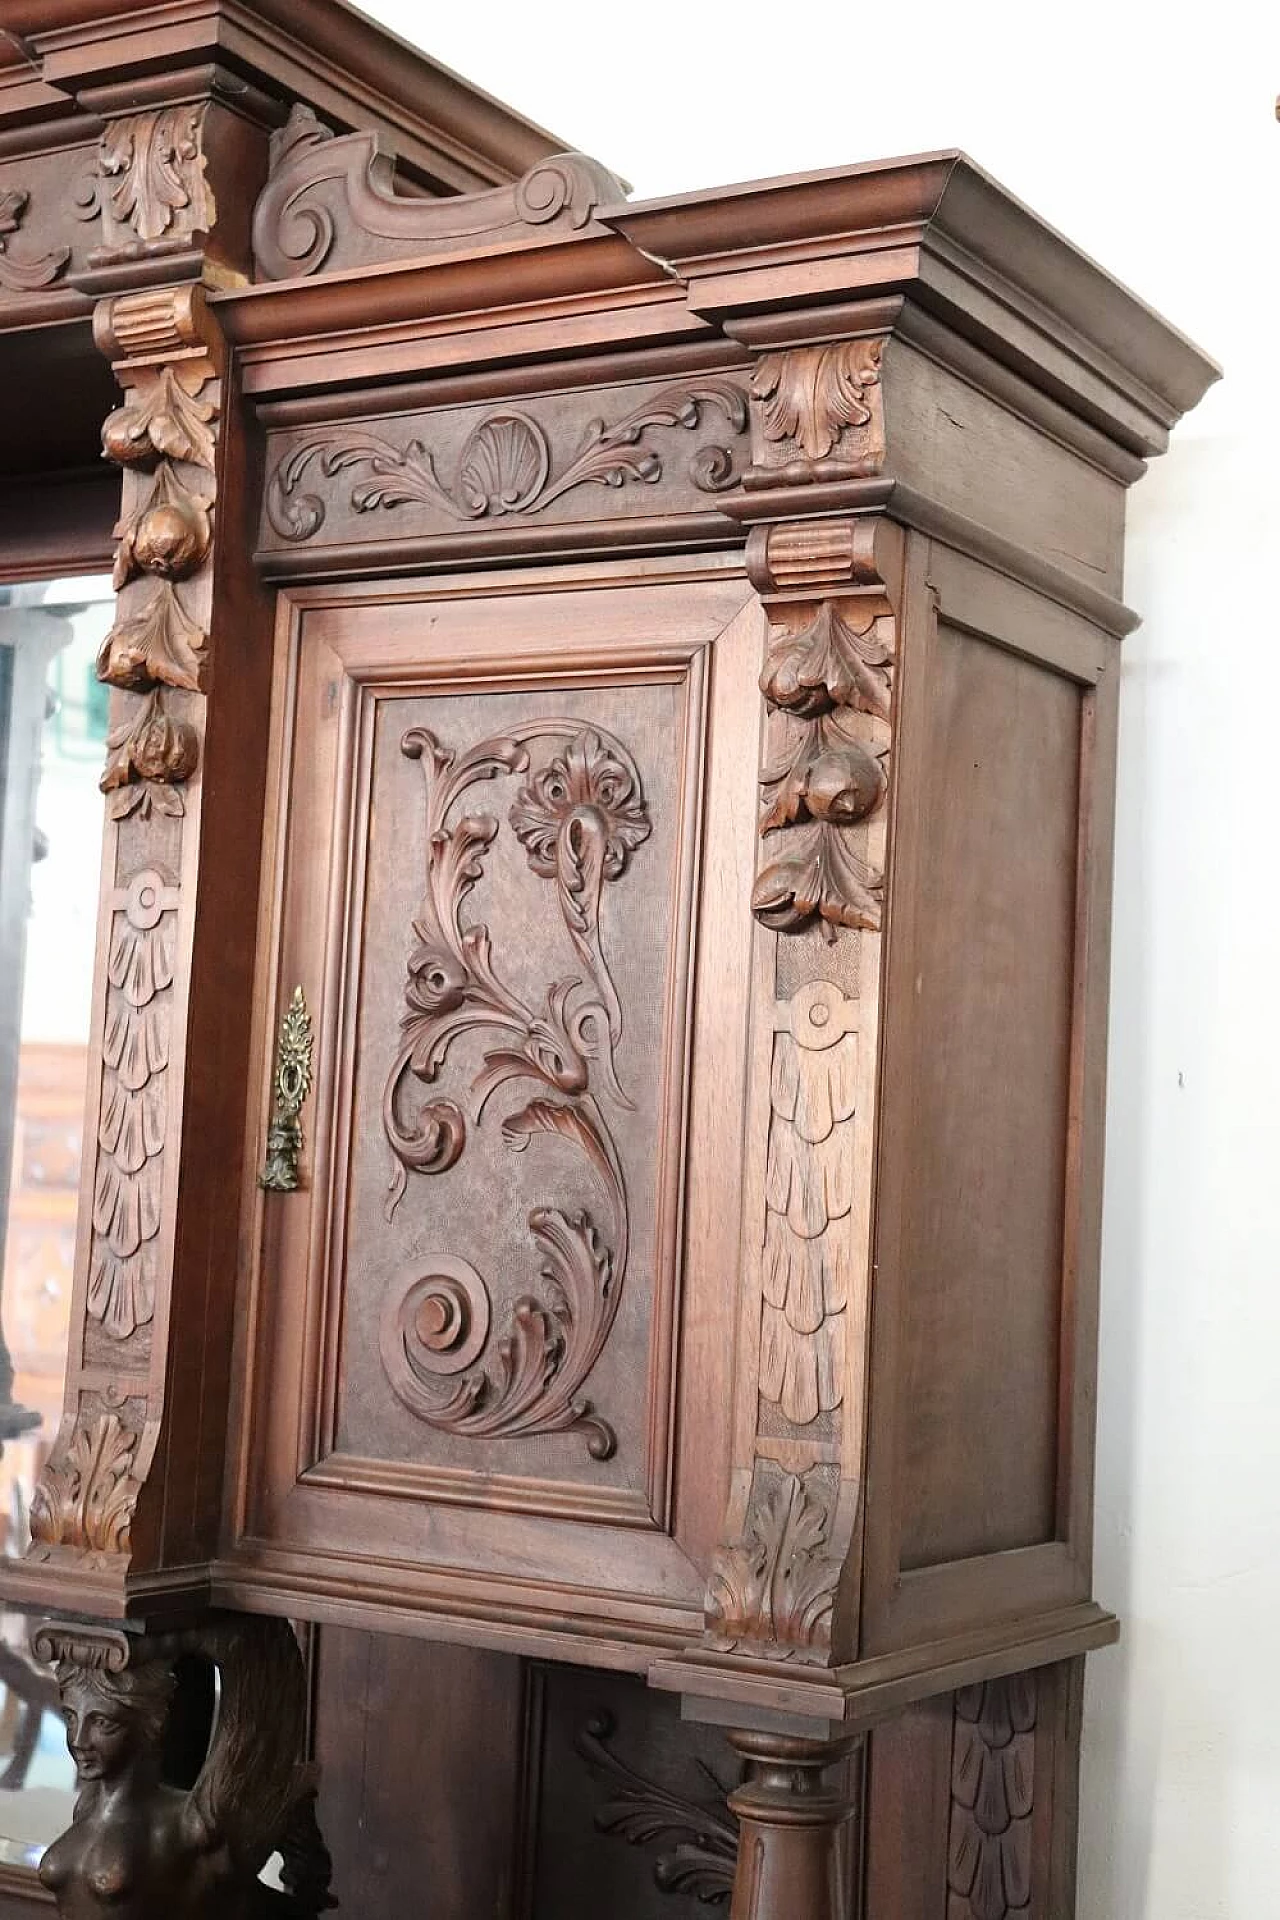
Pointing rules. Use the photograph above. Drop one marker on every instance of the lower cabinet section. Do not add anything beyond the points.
(529, 1791)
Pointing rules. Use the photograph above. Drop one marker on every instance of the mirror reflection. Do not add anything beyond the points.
(53, 721)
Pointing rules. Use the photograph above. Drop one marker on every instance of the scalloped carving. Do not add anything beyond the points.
(989, 1862)
(331, 201)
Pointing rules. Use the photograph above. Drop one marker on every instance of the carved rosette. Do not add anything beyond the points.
(992, 1800)
(580, 815)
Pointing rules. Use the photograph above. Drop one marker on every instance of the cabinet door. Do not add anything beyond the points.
(490, 1333)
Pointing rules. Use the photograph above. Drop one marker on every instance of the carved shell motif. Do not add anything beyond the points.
(503, 466)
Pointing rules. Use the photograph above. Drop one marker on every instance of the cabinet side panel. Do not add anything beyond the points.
(981, 1091)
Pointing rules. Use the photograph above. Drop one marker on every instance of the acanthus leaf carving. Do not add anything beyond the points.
(334, 194)
(698, 1838)
(88, 1490)
(158, 646)
(579, 817)
(828, 684)
(825, 402)
(164, 418)
(155, 193)
(18, 273)
(149, 754)
(809, 1195)
(506, 465)
(772, 1590)
(992, 1799)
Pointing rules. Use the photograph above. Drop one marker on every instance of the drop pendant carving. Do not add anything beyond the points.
(579, 817)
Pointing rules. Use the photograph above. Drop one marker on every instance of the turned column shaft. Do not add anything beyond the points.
(793, 1844)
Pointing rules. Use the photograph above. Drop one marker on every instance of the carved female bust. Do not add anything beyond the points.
(140, 1849)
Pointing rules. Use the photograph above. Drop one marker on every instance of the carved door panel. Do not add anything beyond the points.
(513, 1249)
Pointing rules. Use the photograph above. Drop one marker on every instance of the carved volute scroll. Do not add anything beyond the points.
(989, 1861)
(579, 815)
(331, 202)
(157, 1852)
(156, 660)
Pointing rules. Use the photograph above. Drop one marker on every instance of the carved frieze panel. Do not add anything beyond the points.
(331, 202)
(989, 1862)
(580, 456)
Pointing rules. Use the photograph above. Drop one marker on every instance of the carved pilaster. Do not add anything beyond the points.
(157, 660)
(829, 587)
(143, 1847)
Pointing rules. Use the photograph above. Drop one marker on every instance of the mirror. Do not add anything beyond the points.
(53, 722)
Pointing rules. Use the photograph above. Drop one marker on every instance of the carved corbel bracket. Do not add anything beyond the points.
(331, 202)
(149, 189)
(817, 414)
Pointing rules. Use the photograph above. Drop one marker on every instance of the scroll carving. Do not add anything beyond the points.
(819, 413)
(773, 1589)
(579, 817)
(151, 189)
(826, 774)
(992, 1800)
(331, 201)
(88, 1490)
(21, 272)
(698, 1838)
(809, 1193)
(139, 1846)
(506, 467)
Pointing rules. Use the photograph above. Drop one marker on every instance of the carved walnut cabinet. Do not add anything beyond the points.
(595, 1108)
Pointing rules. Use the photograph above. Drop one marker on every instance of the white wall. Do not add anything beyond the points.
(1145, 131)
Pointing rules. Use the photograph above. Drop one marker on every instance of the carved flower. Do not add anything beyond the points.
(588, 784)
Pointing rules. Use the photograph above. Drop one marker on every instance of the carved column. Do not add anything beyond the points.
(793, 1841)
